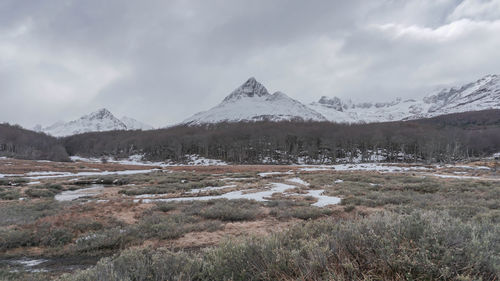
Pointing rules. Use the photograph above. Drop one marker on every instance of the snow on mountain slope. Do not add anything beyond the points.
(252, 102)
(480, 95)
(98, 121)
(133, 124)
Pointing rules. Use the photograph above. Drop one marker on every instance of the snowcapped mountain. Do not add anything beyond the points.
(252, 102)
(98, 121)
(133, 124)
(480, 95)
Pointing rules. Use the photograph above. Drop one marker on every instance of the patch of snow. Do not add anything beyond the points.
(29, 262)
(338, 181)
(454, 176)
(468, 167)
(209, 188)
(70, 195)
(323, 200)
(235, 179)
(314, 169)
(387, 168)
(33, 182)
(299, 181)
(268, 174)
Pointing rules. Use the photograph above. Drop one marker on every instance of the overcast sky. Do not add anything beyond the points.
(162, 61)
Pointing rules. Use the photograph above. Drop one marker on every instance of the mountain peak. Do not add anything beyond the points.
(334, 102)
(100, 114)
(250, 88)
(98, 121)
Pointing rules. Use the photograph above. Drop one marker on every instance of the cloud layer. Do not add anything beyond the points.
(161, 61)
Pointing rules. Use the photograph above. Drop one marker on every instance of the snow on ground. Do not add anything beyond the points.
(70, 195)
(29, 262)
(48, 175)
(209, 188)
(298, 180)
(33, 182)
(455, 176)
(387, 168)
(137, 159)
(258, 196)
(468, 167)
(268, 174)
(323, 200)
(236, 179)
(196, 160)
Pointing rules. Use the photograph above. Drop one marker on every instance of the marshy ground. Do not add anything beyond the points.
(342, 222)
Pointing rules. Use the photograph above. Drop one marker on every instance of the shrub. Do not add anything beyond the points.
(306, 213)
(21, 212)
(385, 246)
(14, 237)
(39, 193)
(55, 237)
(143, 264)
(86, 224)
(232, 210)
(165, 206)
(102, 240)
(166, 226)
(9, 194)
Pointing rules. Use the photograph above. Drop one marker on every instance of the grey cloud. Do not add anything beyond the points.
(161, 61)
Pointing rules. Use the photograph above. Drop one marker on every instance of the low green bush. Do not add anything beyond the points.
(165, 206)
(232, 210)
(166, 226)
(23, 212)
(40, 193)
(14, 237)
(105, 240)
(9, 194)
(307, 213)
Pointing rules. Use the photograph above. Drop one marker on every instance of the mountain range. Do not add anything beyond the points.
(252, 102)
(98, 121)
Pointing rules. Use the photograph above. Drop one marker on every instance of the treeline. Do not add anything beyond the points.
(440, 139)
(17, 142)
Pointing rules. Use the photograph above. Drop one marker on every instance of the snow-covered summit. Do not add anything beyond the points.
(97, 121)
(252, 102)
(251, 88)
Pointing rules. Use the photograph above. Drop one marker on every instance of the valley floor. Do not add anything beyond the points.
(58, 218)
